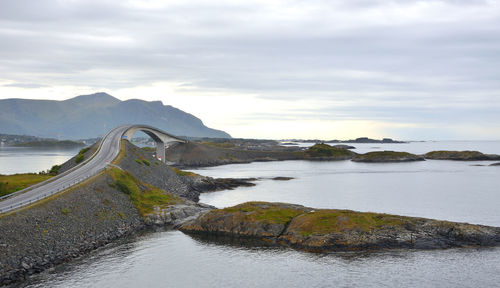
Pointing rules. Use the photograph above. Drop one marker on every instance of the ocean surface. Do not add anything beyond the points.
(32, 160)
(450, 190)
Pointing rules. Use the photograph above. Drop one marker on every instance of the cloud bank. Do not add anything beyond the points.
(336, 69)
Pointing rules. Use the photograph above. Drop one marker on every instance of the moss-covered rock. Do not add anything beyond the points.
(460, 155)
(256, 219)
(387, 156)
(326, 151)
(329, 229)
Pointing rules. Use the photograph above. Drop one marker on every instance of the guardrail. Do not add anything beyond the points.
(40, 197)
(60, 175)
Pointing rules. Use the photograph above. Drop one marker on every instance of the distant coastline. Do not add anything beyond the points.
(357, 140)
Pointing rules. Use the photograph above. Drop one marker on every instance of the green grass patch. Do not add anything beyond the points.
(146, 162)
(65, 210)
(265, 212)
(322, 222)
(138, 161)
(16, 182)
(122, 152)
(146, 199)
(149, 149)
(84, 150)
(183, 173)
(325, 150)
(79, 158)
(55, 169)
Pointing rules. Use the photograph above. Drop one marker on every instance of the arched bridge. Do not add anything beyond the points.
(160, 137)
(108, 149)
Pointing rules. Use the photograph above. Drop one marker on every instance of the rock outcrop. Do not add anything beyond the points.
(331, 230)
(387, 156)
(460, 156)
(199, 155)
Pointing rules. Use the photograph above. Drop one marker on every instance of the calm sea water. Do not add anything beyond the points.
(457, 191)
(26, 160)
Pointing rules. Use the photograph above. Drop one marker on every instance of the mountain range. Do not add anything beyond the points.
(89, 116)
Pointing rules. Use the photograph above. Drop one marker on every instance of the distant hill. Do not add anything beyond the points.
(88, 116)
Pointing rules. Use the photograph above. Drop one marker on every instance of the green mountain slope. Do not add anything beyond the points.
(92, 115)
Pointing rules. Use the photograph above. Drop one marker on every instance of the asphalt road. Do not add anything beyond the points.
(109, 149)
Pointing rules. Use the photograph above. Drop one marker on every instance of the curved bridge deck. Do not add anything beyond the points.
(107, 151)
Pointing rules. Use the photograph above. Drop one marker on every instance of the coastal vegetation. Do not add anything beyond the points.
(12, 183)
(81, 155)
(182, 172)
(54, 170)
(325, 150)
(144, 196)
(270, 213)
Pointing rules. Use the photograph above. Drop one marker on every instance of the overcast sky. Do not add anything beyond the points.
(269, 69)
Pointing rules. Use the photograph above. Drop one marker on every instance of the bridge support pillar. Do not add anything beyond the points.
(160, 151)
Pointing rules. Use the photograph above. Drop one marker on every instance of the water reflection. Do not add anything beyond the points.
(173, 259)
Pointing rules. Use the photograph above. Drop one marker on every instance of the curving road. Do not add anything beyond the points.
(107, 151)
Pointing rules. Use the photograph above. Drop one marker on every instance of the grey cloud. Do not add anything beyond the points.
(329, 50)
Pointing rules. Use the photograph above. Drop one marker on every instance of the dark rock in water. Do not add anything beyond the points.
(343, 146)
(331, 230)
(460, 156)
(208, 184)
(387, 156)
(368, 140)
(281, 178)
(495, 164)
(176, 215)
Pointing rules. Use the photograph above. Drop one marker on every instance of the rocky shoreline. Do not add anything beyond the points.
(193, 155)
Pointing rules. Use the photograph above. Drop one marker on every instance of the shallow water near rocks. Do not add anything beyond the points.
(172, 259)
(450, 190)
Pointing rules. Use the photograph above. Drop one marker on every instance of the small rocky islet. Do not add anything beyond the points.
(199, 155)
(323, 230)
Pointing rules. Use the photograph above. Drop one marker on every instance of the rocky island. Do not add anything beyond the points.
(337, 230)
(387, 156)
(460, 155)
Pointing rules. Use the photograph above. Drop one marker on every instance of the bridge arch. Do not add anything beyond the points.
(161, 138)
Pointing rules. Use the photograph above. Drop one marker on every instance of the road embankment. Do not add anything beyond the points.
(63, 227)
(135, 193)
